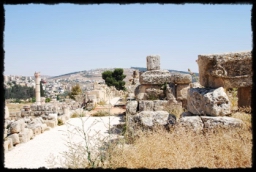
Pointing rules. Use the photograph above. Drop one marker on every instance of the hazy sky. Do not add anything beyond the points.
(64, 38)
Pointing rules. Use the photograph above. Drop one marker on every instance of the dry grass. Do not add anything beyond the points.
(184, 150)
(178, 148)
(100, 113)
(232, 96)
(13, 107)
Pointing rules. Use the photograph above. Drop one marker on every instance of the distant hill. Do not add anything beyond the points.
(63, 75)
(173, 71)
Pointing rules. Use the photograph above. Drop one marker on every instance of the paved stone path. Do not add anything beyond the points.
(37, 151)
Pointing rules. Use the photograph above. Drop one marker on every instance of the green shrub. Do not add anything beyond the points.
(60, 122)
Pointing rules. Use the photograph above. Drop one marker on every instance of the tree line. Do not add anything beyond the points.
(19, 92)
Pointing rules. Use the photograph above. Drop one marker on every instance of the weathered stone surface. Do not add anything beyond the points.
(149, 92)
(230, 70)
(212, 102)
(160, 105)
(24, 136)
(146, 105)
(50, 123)
(7, 114)
(43, 127)
(151, 118)
(154, 94)
(15, 138)
(155, 77)
(131, 107)
(33, 107)
(191, 122)
(180, 78)
(173, 107)
(182, 91)
(53, 116)
(8, 145)
(244, 95)
(17, 126)
(153, 62)
(36, 130)
(223, 122)
(170, 92)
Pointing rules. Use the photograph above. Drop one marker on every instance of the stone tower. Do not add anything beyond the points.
(37, 79)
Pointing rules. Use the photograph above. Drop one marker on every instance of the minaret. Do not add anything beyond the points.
(37, 79)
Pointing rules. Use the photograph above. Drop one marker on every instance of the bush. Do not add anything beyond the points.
(101, 113)
(115, 78)
(60, 122)
(76, 115)
(47, 100)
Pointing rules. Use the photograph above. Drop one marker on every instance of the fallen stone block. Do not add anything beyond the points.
(43, 127)
(17, 126)
(191, 123)
(153, 62)
(131, 107)
(53, 116)
(24, 136)
(8, 144)
(15, 138)
(50, 123)
(229, 70)
(210, 102)
(221, 122)
(153, 118)
(155, 77)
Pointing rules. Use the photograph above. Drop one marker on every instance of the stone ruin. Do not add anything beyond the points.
(101, 92)
(230, 70)
(24, 125)
(206, 104)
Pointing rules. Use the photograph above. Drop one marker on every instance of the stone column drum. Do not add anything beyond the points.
(37, 79)
(153, 62)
